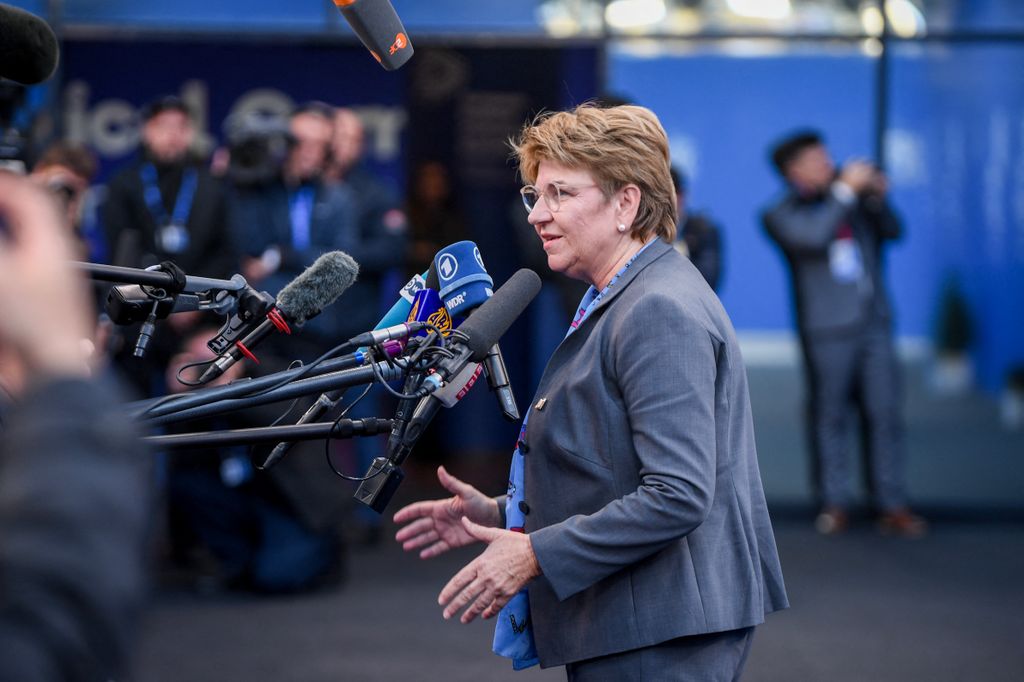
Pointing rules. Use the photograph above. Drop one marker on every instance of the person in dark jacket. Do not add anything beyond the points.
(74, 488)
(165, 205)
(698, 238)
(831, 227)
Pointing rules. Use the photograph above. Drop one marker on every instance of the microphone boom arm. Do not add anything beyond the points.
(346, 428)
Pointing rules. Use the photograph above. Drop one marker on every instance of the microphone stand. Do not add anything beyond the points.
(157, 278)
(346, 428)
(343, 379)
(149, 409)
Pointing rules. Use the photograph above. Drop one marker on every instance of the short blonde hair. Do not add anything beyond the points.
(619, 146)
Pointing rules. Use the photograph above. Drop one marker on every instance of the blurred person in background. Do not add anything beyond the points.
(379, 246)
(379, 241)
(831, 225)
(435, 217)
(282, 222)
(635, 521)
(165, 205)
(67, 170)
(74, 489)
(698, 238)
(282, 225)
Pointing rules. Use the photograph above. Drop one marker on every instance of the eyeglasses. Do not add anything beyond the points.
(553, 195)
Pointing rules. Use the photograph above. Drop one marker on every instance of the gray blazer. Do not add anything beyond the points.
(643, 496)
(804, 230)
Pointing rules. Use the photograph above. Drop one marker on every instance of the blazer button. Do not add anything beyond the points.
(523, 447)
(523, 507)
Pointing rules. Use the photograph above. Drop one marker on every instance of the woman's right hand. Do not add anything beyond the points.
(436, 525)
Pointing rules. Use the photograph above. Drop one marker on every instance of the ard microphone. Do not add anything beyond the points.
(480, 332)
(465, 285)
(379, 29)
(28, 47)
(304, 297)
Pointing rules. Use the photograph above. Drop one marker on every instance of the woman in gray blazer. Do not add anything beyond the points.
(634, 542)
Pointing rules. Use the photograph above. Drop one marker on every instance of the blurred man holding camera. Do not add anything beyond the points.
(831, 226)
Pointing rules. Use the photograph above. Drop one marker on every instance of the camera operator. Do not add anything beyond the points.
(73, 475)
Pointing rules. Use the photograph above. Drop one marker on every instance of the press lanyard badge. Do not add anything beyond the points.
(173, 238)
(172, 235)
(844, 260)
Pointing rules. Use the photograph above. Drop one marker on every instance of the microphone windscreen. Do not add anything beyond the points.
(28, 47)
(317, 286)
(379, 29)
(490, 321)
(463, 278)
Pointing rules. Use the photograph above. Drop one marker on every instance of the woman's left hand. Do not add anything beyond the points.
(488, 582)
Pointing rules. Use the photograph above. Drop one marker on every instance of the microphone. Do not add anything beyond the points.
(304, 297)
(399, 312)
(479, 333)
(465, 285)
(379, 29)
(28, 47)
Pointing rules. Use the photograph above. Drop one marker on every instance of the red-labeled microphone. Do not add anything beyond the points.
(304, 297)
(379, 29)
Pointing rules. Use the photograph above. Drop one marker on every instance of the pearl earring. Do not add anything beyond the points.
(622, 227)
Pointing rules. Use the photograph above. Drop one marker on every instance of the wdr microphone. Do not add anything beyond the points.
(379, 29)
(463, 279)
(304, 297)
(28, 47)
(481, 332)
(465, 285)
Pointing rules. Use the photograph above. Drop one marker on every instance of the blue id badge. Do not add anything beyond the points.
(845, 261)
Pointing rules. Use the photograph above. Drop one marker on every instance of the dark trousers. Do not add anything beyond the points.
(858, 370)
(714, 657)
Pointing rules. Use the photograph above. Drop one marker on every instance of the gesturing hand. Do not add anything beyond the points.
(488, 582)
(436, 525)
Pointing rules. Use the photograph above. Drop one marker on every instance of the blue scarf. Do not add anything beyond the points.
(513, 633)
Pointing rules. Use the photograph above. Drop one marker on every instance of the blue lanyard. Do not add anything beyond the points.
(593, 296)
(155, 200)
(300, 205)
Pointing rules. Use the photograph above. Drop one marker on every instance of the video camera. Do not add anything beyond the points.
(258, 145)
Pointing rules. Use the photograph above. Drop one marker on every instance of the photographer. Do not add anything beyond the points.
(831, 226)
(73, 475)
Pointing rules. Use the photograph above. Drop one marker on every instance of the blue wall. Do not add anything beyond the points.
(954, 152)
(722, 113)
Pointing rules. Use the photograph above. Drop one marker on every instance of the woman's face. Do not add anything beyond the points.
(581, 236)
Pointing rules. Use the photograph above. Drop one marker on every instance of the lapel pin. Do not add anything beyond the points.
(540, 404)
